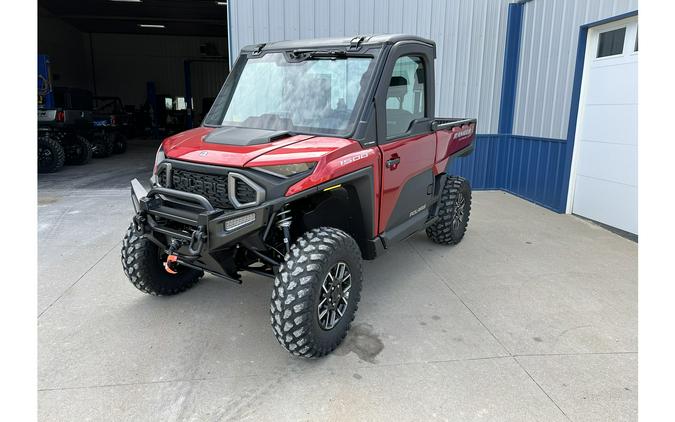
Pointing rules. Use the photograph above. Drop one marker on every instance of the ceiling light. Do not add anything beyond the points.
(127, 1)
(221, 3)
(150, 25)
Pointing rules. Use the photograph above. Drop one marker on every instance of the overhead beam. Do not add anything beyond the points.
(218, 22)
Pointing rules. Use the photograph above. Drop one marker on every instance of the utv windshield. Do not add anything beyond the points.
(319, 94)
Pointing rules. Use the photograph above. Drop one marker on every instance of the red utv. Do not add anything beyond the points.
(315, 156)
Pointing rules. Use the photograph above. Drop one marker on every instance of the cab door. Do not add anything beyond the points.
(408, 145)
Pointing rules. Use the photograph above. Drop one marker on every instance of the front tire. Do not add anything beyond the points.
(316, 292)
(454, 208)
(143, 265)
(51, 156)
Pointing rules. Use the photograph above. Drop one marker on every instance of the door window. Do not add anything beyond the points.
(405, 95)
(610, 43)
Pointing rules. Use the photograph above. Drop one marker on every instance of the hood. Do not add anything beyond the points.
(225, 146)
(261, 148)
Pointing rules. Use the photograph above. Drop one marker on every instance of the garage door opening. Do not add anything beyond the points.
(603, 182)
(159, 62)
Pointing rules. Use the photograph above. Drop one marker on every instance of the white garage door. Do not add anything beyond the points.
(603, 186)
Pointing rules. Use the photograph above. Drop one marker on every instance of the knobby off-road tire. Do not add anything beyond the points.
(79, 152)
(119, 142)
(51, 156)
(300, 286)
(454, 208)
(103, 145)
(142, 263)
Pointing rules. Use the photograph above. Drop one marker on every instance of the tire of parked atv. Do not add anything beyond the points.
(119, 142)
(102, 145)
(143, 261)
(51, 156)
(79, 152)
(453, 212)
(316, 292)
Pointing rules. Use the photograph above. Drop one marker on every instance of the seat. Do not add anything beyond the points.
(398, 119)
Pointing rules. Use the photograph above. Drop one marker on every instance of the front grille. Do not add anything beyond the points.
(244, 193)
(212, 187)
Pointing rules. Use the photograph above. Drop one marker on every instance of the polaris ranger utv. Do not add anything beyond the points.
(112, 123)
(315, 156)
(61, 126)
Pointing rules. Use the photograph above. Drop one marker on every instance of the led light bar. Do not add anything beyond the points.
(240, 221)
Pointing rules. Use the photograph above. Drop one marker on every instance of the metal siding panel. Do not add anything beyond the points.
(410, 8)
(367, 16)
(380, 17)
(479, 167)
(307, 18)
(395, 16)
(261, 23)
(470, 38)
(352, 18)
(291, 19)
(322, 18)
(424, 19)
(550, 34)
(337, 18)
(275, 16)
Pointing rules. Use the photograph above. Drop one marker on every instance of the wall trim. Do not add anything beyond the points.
(510, 73)
(576, 97)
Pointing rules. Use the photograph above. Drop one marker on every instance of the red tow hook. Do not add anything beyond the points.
(170, 264)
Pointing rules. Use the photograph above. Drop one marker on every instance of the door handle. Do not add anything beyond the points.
(393, 162)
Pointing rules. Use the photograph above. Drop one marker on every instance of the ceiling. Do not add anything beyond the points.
(180, 17)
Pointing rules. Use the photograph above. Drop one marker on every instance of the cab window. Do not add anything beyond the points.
(405, 95)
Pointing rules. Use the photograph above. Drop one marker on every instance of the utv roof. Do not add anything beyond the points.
(361, 40)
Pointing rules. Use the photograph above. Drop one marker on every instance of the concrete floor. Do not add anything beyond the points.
(532, 317)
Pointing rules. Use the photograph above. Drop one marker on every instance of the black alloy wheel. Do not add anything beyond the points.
(334, 297)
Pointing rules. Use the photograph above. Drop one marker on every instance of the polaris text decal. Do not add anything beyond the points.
(462, 133)
(417, 210)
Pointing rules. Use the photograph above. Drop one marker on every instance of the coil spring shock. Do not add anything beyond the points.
(284, 220)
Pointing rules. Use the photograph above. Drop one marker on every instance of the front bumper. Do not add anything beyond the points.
(204, 228)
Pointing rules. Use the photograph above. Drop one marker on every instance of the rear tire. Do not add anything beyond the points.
(454, 208)
(79, 152)
(51, 156)
(144, 268)
(102, 145)
(304, 292)
(119, 142)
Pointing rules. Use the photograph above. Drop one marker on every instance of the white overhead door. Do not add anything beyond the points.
(603, 186)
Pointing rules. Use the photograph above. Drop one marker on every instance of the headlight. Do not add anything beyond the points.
(285, 170)
(159, 157)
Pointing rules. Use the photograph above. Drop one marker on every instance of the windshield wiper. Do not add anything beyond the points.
(301, 55)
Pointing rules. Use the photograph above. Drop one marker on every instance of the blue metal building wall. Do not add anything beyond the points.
(523, 114)
(480, 167)
(529, 167)
(540, 103)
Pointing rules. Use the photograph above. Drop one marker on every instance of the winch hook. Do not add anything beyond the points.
(172, 259)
